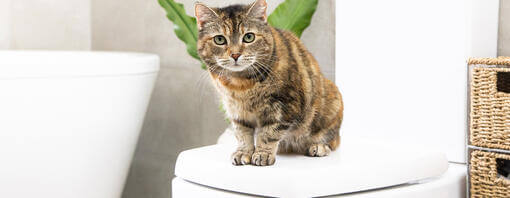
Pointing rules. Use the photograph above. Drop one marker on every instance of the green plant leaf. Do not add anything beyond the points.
(222, 109)
(293, 15)
(185, 26)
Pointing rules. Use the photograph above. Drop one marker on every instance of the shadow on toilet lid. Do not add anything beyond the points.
(358, 165)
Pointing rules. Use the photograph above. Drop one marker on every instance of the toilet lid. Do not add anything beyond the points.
(43, 64)
(358, 165)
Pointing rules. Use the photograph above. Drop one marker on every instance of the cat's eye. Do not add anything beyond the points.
(249, 37)
(220, 40)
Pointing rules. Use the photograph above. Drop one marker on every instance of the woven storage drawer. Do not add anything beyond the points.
(490, 103)
(484, 180)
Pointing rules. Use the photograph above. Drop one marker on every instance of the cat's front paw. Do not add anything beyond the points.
(263, 158)
(241, 157)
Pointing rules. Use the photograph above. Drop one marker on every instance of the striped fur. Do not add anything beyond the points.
(280, 102)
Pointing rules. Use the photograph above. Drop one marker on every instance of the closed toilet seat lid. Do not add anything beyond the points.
(358, 165)
(44, 64)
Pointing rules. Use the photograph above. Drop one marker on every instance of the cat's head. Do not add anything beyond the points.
(234, 38)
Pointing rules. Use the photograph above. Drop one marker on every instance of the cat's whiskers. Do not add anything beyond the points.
(261, 67)
(258, 71)
(266, 68)
(201, 83)
(252, 72)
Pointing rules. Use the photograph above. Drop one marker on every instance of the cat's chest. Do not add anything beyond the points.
(244, 97)
(242, 106)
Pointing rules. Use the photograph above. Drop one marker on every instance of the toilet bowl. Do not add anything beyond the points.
(359, 168)
(450, 184)
(69, 121)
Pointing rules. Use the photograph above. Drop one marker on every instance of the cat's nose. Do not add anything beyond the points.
(235, 56)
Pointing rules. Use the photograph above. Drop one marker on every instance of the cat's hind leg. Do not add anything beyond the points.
(325, 141)
(318, 150)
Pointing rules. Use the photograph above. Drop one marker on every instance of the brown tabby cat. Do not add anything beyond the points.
(271, 86)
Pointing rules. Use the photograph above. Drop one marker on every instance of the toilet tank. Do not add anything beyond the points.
(70, 121)
(401, 67)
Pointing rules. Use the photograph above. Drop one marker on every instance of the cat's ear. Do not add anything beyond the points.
(204, 14)
(258, 10)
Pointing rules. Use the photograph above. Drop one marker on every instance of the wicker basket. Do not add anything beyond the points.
(490, 103)
(483, 175)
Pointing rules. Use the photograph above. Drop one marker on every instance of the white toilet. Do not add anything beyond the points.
(360, 168)
(70, 120)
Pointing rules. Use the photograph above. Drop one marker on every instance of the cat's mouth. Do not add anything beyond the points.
(243, 63)
(236, 67)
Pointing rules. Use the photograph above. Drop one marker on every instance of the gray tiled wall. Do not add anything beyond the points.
(45, 24)
(504, 28)
(5, 21)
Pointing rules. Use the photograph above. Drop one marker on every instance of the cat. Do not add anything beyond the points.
(270, 85)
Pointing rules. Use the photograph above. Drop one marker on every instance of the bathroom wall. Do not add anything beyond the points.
(504, 28)
(45, 24)
(4, 23)
(183, 113)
